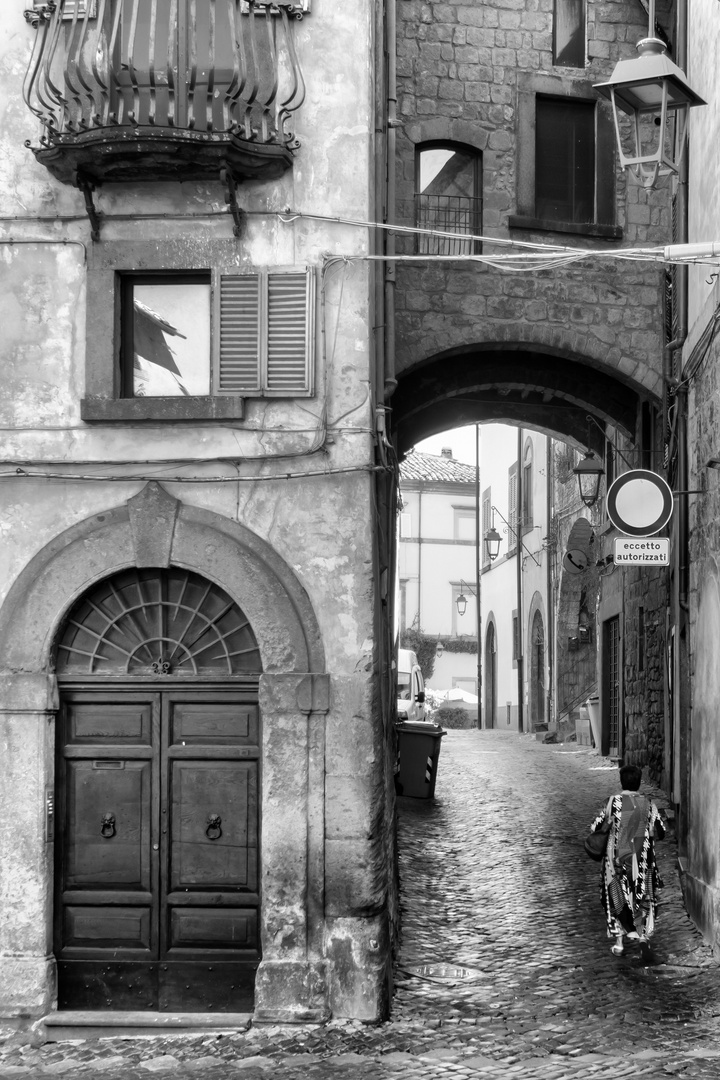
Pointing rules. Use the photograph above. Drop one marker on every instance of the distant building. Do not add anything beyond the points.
(436, 562)
(515, 586)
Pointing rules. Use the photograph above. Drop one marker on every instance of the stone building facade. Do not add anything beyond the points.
(576, 351)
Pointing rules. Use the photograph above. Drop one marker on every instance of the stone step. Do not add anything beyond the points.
(106, 1024)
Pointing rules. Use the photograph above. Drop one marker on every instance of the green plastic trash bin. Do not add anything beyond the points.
(418, 753)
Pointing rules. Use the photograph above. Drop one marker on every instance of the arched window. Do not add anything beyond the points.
(448, 197)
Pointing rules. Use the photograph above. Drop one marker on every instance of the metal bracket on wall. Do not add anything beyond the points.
(231, 199)
(87, 189)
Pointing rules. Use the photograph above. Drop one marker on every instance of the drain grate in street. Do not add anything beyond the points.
(449, 974)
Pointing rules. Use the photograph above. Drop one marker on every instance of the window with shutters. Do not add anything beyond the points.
(486, 521)
(193, 344)
(513, 505)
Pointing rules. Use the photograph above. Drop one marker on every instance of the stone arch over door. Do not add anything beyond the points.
(155, 530)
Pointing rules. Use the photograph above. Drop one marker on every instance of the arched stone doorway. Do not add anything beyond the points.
(490, 676)
(155, 532)
(157, 870)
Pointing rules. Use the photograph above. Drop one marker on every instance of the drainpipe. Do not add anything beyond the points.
(518, 573)
(549, 578)
(390, 267)
(478, 606)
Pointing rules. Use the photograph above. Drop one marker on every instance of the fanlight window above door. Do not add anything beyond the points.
(157, 622)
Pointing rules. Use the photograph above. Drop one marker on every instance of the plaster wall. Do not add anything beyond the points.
(292, 473)
(451, 667)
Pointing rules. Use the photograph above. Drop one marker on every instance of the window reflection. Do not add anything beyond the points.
(170, 340)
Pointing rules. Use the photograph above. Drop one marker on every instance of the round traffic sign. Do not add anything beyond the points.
(639, 503)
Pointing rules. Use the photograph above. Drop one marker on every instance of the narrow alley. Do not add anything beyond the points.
(504, 968)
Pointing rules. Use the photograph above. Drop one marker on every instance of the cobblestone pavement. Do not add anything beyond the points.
(495, 887)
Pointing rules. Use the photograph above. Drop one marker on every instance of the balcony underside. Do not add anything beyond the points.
(123, 153)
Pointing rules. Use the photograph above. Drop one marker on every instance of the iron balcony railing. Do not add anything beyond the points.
(104, 71)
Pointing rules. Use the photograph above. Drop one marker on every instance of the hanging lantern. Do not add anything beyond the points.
(492, 543)
(654, 92)
(589, 472)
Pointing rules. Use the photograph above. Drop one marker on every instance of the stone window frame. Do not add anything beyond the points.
(107, 263)
(530, 87)
(448, 131)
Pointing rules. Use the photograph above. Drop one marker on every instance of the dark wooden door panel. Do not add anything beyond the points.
(108, 825)
(213, 723)
(109, 723)
(117, 928)
(158, 874)
(230, 929)
(213, 825)
(213, 986)
(107, 985)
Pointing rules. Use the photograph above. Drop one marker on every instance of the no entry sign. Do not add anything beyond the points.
(639, 503)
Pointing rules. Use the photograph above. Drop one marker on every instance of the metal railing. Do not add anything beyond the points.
(196, 65)
(448, 213)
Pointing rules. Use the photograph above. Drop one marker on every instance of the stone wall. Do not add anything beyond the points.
(468, 73)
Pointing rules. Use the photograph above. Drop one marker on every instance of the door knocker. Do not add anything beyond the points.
(107, 827)
(213, 830)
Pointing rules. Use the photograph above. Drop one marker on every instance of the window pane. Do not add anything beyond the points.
(447, 198)
(171, 340)
(569, 43)
(565, 160)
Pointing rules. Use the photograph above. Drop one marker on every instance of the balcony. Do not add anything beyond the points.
(129, 90)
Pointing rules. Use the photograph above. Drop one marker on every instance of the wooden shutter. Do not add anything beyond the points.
(265, 333)
(512, 504)
(289, 304)
(237, 353)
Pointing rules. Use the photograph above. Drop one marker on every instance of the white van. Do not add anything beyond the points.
(411, 687)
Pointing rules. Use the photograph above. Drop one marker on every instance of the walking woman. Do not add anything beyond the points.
(629, 874)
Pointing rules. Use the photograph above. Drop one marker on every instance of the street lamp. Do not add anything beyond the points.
(653, 91)
(492, 543)
(493, 539)
(461, 604)
(589, 472)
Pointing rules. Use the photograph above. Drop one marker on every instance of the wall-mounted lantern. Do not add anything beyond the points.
(589, 472)
(655, 94)
(493, 540)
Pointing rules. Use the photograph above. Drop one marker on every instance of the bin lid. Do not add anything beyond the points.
(422, 727)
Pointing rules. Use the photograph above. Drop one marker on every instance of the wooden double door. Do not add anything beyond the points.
(157, 849)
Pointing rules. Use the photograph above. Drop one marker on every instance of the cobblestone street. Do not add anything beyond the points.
(504, 968)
